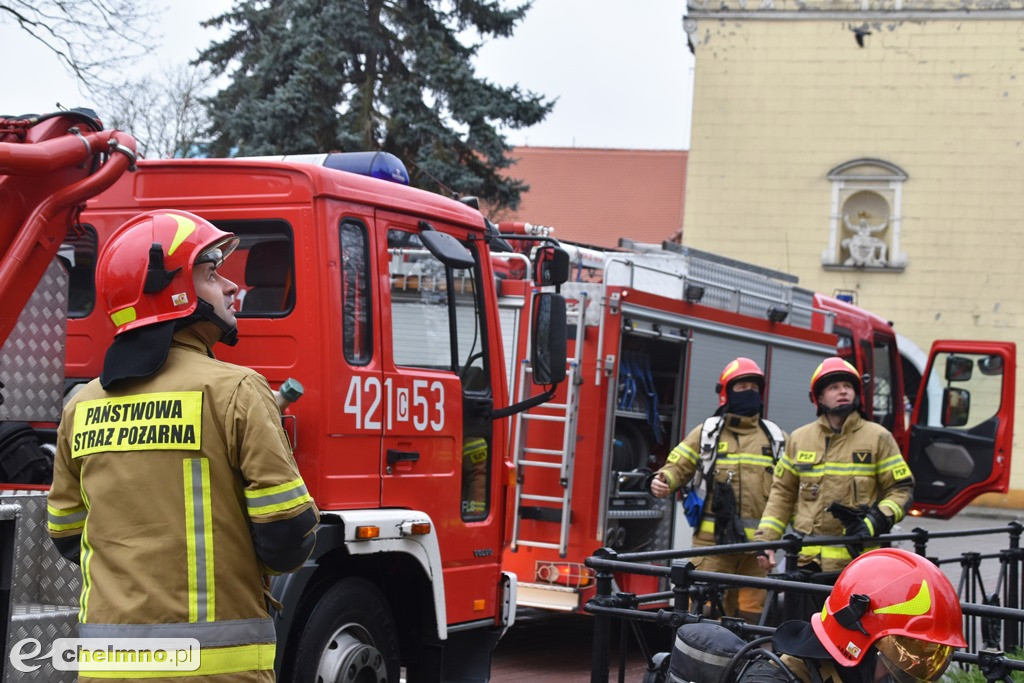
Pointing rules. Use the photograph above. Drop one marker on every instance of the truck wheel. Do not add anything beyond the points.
(349, 637)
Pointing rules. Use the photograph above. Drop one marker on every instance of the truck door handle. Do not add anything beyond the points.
(401, 456)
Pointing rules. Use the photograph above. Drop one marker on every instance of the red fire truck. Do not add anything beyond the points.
(381, 301)
(651, 327)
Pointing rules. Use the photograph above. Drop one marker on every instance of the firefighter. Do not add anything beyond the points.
(892, 615)
(174, 483)
(727, 461)
(841, 474)
(474, 477)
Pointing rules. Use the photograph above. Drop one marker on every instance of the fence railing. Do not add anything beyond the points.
(993, 620)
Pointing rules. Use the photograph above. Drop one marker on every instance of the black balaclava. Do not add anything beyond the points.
(743, 403)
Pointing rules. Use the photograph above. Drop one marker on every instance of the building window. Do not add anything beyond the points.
(865, 217)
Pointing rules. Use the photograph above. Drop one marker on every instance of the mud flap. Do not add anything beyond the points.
(467, 655)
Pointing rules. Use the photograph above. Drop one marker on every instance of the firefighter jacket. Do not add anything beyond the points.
(169, 481)
(860, 465)
(744, 460)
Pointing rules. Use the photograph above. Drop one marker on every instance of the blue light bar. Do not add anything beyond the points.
(383, 165)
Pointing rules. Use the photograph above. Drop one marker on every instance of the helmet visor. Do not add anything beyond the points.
(217, 252)
(910, 659)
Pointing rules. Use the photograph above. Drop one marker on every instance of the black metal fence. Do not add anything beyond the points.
(993, 620)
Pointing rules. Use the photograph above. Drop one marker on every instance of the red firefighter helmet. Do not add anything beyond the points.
(735, 370)
(144, 273)
(831, 370)
(898, 602)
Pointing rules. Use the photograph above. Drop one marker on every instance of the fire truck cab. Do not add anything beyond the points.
(379, 299)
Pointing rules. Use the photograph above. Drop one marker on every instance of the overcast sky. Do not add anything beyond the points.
(619, 68)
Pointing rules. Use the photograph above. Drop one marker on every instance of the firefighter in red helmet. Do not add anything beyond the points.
(174, 483)
(841, 474)
(892, 615)
(725, 468)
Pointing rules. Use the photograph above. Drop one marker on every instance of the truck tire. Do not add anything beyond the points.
(350, 637)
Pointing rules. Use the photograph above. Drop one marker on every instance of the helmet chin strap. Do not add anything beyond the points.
(204, 313)
(841, 410)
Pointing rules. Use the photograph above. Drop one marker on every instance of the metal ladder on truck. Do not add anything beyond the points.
(529, 458)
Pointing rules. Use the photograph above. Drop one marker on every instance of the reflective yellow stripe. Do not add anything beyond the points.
(199, 540)
(773, 524)
(891, 463)
(894, 507)
(276, 498)
(65, 520)
(683, 451)
(221, 660)
(708, 526)
(87, 551)
(831, 552)
(755, 459)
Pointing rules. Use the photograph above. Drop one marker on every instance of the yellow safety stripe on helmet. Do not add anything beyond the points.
(83, 607)
(65, 520)
(731, 368)
(894, 507)
(773, 524)
(199, 540)
(914, 607)
(683, 451)
(276, 498)
(124, 316)
(170, 420)
(212, 661)
(186, 226)
(755, 459)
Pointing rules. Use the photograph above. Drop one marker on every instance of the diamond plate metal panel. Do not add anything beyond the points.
(44, 623)
(32, 359)
(44, 586)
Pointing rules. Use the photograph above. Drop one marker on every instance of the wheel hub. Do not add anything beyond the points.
(351, 657)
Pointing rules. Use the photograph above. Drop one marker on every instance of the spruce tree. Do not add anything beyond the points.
(354, 75)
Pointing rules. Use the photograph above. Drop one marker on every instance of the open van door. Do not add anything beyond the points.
(961, 433)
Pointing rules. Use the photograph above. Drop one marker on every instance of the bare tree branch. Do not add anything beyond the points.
(163, 113)
(91, 38)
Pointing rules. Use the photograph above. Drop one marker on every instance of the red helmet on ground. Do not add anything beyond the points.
(901, 604)
(832, 370)
(144, 273)
(734, 371)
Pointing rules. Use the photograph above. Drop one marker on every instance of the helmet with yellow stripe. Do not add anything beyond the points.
(901, 604)
(736, 370)
(144, 273)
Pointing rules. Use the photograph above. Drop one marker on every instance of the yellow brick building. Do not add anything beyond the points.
(870, 147)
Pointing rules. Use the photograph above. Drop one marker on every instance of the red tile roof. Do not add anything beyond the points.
(595, 196)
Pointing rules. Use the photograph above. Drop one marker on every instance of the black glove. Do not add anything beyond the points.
(852, 519)
(861, 521)
(878, 522)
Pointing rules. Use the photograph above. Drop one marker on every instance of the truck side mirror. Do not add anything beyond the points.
(445, 248)
(956, 406)
(958, 368)
(991, 365)
(552, 266)
(550, 333)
